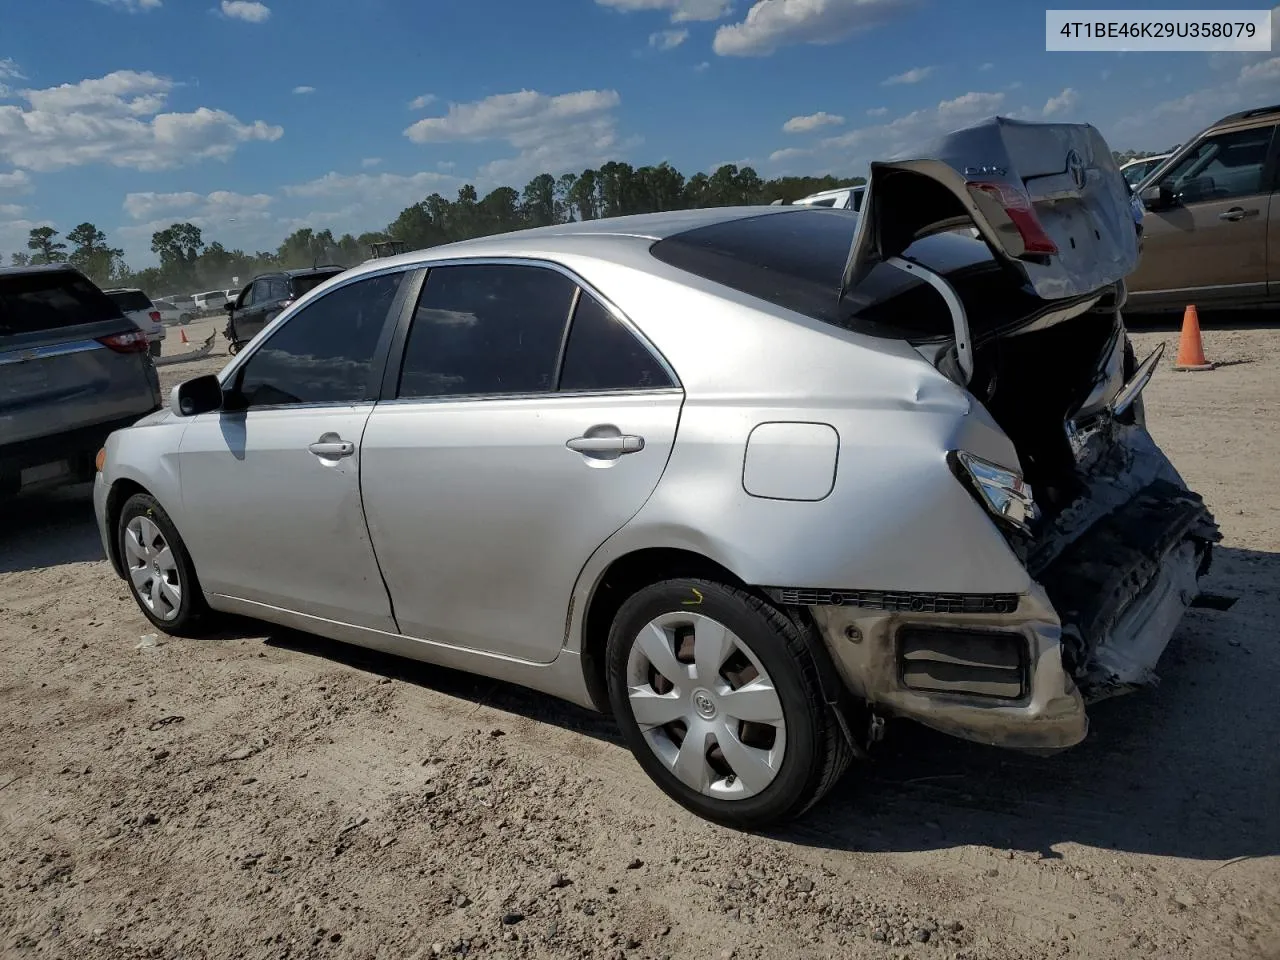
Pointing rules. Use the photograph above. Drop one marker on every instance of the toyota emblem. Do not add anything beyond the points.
(1075, 169)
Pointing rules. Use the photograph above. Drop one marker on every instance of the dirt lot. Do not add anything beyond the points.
(269, 794)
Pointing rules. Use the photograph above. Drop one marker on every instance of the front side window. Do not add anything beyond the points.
(257, 293)
(602, 354)
(1221, 167)
(324, 353)
(486, 329)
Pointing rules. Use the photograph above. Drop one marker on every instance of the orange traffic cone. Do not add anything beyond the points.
(1190, 349)
(185, 340)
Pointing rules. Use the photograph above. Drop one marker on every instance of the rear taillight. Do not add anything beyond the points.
(155, 316)
(1018, 206)
(135, 342)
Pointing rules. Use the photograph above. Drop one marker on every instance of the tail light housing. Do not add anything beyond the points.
(155, 316)
(1017, 205)
(134, 342)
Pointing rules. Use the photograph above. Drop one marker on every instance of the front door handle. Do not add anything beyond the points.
(606, 446)
(330, 446)
(1238, 213)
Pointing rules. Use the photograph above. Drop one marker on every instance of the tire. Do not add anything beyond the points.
(753, 784)
(234, 347)
(142, 530)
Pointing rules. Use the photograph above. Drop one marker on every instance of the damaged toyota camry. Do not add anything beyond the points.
(752, 480)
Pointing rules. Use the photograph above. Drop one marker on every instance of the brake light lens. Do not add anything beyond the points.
(135, 342)
(1002, 491)
(1018, 206)
(155, 316)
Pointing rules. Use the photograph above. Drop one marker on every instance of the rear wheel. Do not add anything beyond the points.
(161, 575)
(718, 698)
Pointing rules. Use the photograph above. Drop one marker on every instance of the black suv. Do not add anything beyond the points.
(265, 296)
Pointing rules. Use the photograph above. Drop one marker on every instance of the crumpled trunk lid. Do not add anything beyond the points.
(1047, 198)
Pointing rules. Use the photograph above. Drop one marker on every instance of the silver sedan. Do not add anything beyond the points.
(751, 480)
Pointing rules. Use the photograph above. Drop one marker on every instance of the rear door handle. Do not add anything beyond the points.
(1238, 213)
(330, 446)
(606, 446)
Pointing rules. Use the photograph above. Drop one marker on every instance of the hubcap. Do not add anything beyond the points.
(153, 570)
(706, 706)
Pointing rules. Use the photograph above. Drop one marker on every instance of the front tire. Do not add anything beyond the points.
(161, 576)
(717, 695)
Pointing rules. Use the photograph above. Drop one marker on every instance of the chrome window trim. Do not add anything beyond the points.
(525, 397)
(24, 354)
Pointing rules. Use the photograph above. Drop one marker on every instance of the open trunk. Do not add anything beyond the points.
(1002, 256)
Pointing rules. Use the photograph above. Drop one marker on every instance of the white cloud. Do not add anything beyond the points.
(420, 103)
(911, 131)
(668, 39)
(133, 6)
(788, 153)
(304, 89)
(701, 67)
(10, 210)
(1268, 71)
(914, 75)
(878, 111)
(250, 11)
(369, 162)
(445, 164)
(551, 133)
(1065, 102)
(681, 10)
(770, 24)
(810, 122)
(221, 205)
(987, 66)
(8, 71)
(19, 181)
(116, 120)
(371, 187)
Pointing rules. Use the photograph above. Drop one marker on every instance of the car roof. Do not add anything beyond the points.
(618, 239)
(37, 268)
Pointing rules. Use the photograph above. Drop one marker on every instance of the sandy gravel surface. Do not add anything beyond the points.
(269, 794)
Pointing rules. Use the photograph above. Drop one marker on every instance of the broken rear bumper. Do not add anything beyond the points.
(1113, 576)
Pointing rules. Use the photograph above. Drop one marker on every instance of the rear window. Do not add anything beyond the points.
(309, 281)
(795, 260)
(130, 300)
(34, 302)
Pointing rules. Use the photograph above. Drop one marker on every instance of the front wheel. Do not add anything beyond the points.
(161, 576)
(718, 698)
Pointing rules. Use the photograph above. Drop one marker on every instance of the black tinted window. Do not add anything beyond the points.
(1219, 168)
(324, 353)
(309, 281)
(604, 355)
(30, 302)
(130, 300)
(486, 330)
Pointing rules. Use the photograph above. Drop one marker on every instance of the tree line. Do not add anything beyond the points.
(188, 263)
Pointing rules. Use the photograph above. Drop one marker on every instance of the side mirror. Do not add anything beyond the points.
(229, 306)
(201, 395)
(1159, 196)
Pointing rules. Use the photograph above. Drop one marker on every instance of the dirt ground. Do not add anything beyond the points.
(270, 794)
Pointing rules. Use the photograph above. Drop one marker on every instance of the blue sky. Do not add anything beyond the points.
(251, 119)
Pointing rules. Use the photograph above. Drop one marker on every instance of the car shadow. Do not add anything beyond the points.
(1171, 321)
(47, 528)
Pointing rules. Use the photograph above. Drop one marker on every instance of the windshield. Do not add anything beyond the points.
(33, 302)
(306, 282)
(131, 300)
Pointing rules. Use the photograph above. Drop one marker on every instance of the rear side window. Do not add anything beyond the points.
(130, 300)
(603, 354)
(486, 329)
(309, 281)
(34, 302)
(325, 352)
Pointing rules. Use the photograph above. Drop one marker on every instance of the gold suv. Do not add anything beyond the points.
(1212, 223)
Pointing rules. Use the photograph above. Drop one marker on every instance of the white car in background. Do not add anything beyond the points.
(210, 302)
(842, 198)
(137, 306)
(1135, 171)
(183, 307)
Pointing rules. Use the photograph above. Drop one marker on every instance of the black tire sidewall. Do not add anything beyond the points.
(192, 605)
(792, 788)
